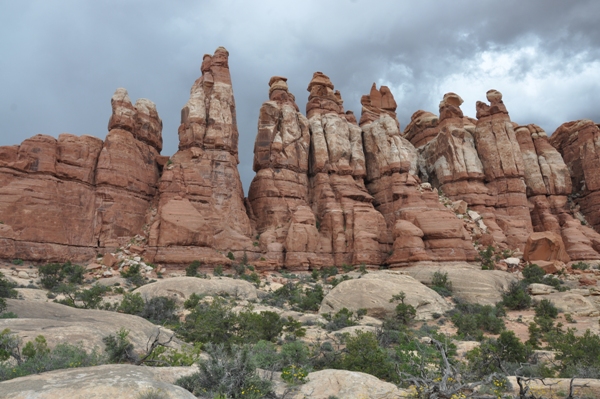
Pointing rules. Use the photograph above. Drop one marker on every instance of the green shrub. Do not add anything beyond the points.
(132, 303)
(253, 327)
(52, 274)
(230, 374)
(404, 313)
(192, 301)
(487, 258)
(160, 310)
(133, 275)
(440, 284)
(153, 393)
(17, 262)
(36, 357)
(533, 274)
(363, 353)
(516, 298)
(192, 269)
(580, 266)
(496, 355)
(343, 318)
(218, 270)
(86, 299)
(472, 320)
(230, 255)
(308, 300)
(294, 375)
(7, 290)
(329, 272)
(545, 308)
(209, 322)
(577, 356)
(119, 349)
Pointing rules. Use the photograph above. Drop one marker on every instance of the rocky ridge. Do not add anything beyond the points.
(328, 190)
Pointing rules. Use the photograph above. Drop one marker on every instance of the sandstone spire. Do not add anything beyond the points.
(208, 119)
(201, 213)
(420, 228)
(278, 194)
(350, 230)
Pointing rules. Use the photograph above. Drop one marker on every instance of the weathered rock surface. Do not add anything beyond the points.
(107, 381)
(419, 227)
(572, 303)
(350, 230)
(278, 193)
(546, 246)
(180, 288)
(59, 199)
(481, 286)
(328, 190)
(347, 384)
(60, 323)
(374, 290)
(201, 210)
(578, 143)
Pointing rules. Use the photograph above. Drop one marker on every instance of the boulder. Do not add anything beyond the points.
(347, 384)
(60, 323)
(545, 246)
(572, 303)
(482, 286)
(121, 381)
(374, 290)
(180, 288)
(540, 289)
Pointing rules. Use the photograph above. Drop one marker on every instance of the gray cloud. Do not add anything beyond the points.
(62, 60)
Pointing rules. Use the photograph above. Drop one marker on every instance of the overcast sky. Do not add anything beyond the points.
(61, 61)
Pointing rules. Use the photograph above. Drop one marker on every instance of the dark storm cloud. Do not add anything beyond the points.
(61, 61)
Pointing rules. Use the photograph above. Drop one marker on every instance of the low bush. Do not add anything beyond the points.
(472, 320)
(7, 290)
(90, 298)
(440, 284)
(343, 318)
(192, 269)
(36, 357)
(545, 308)
(516, 298)
(133, 275)
(227, 373)
(53, 274)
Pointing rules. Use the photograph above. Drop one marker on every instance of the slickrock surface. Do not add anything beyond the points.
(481, 286)
(121, 381)
(63, 324)
(201, 211)
(180, 288)
(374, 290)
(347, 384)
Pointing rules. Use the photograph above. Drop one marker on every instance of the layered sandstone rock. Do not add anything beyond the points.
(504, 172)
(579, 144)
(548, 186)
(350, 230)
(201, 213)
(47, 198)
(419, 227)
(278, 193)
(60, 199)
(127, 172)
